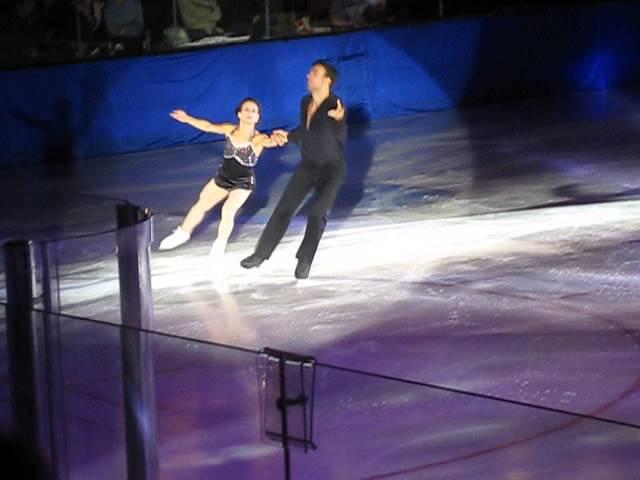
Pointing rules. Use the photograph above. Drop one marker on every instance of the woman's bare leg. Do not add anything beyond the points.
(236, 199)
(210, 196)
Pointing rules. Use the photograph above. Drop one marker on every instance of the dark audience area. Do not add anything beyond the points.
(52, 31)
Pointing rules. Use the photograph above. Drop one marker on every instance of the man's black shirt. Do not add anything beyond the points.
(323, 143)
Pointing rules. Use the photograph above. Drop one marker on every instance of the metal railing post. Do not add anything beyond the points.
(54, 365)
(26, 351)
(267, 19)
(136, 306)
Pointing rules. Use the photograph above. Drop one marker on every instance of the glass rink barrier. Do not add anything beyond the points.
(72, 268)
(45, 33)
(46, 217)
(108, 397)
(106, 401)
(86, 30)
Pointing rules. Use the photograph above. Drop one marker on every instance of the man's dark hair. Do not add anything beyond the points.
(249, 100)
(329, 70)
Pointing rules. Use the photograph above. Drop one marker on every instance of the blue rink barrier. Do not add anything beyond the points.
(115, 106)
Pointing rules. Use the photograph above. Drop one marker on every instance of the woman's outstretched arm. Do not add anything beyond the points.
(202, 124)
(266, 141)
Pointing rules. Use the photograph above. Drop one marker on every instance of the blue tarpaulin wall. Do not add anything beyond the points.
(122, 105)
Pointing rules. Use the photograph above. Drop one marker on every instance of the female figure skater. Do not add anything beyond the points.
(235, 179)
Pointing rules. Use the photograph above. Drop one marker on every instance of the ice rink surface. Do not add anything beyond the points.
(494, 250)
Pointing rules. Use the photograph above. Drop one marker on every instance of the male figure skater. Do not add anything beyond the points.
(321, 136)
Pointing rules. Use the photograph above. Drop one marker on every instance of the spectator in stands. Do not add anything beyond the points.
(319, 8)
(356, 13)
(200, 18)
(59, 19)
(125, 23)
(91, 11)
(27, 11)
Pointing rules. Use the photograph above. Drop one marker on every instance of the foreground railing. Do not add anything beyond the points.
(104, 399)
(109, 401)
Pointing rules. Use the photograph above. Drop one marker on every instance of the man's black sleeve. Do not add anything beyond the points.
(295, 135)
(340, 127)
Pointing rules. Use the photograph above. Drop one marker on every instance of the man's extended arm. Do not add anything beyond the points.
(338, 122)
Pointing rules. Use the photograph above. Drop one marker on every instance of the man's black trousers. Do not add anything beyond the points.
(325, 182)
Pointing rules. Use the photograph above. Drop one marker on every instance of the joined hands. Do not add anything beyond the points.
(281, 137)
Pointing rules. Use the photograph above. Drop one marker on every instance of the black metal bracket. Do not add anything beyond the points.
(287, 390)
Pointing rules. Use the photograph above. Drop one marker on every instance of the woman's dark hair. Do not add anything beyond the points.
(249, 100)
(329, 70)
